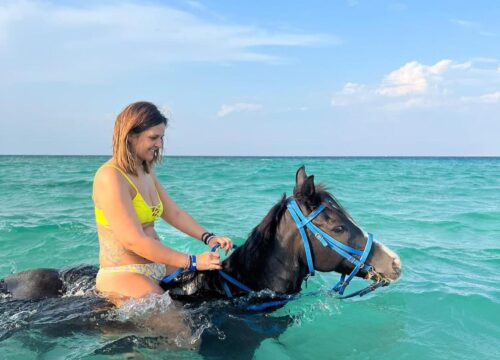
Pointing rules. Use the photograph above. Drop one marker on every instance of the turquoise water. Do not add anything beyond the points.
(441, 215)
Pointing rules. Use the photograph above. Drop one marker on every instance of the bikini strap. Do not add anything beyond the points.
(124, 175)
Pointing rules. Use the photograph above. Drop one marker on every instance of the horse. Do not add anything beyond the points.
(280, 253)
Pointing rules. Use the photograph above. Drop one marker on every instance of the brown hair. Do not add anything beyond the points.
(134, 119)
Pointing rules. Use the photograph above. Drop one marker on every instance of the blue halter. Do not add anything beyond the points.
(345, 251)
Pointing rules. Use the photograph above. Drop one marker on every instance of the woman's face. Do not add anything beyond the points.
(149, 142)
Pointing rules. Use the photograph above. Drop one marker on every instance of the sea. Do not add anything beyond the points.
(440, 215)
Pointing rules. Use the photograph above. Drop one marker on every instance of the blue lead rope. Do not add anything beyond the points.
(172, 276)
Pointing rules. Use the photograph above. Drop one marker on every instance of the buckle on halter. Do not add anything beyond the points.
(318, 236)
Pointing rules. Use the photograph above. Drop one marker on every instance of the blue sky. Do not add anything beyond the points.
(326, 78)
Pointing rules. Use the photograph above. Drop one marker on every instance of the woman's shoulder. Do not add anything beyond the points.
(108, 174)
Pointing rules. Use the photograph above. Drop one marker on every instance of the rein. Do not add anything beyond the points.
(305, 222)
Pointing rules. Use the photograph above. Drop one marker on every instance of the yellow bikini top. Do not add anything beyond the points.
(145, 213)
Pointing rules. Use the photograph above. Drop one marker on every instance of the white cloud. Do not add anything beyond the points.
(412, 78)
(408, 104)
(414, 85)
(238, 107)
(196, 5)
(473, 26)
(464, 66)
(91, 41)
(350, 94)
(490, 98)
(464, 23)
(484, 60)
(352, 88)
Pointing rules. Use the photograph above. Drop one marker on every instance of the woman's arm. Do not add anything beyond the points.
(111, 192)
(184, 222)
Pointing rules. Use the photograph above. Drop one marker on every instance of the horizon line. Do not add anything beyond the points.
(271, 156)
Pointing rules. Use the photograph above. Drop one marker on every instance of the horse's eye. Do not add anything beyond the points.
(339, 229)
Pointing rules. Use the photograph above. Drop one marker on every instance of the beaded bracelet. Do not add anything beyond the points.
(210, 238)
(206, 237)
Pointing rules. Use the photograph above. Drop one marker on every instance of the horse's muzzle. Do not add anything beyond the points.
(396, 265)
(395, 273)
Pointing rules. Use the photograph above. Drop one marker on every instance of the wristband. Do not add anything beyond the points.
(192, 263)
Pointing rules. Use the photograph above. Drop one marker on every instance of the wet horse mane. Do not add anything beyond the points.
(265, 231)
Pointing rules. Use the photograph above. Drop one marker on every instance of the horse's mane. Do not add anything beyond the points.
(253, 253)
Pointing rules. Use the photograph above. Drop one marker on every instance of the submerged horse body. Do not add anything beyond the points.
(277, 256)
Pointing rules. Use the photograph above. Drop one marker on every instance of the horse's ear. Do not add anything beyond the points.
(308, 189)
(304, 185)
(300, 177)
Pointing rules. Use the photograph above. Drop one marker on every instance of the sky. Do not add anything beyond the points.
(254, 78)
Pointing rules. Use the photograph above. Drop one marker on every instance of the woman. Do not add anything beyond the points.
(128, 200)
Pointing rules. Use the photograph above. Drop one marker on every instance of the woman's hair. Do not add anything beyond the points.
(134, 119)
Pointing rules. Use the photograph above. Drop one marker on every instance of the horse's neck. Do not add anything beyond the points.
(276, 268)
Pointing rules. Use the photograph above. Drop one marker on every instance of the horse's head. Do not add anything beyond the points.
(339, 225)
(275, 256)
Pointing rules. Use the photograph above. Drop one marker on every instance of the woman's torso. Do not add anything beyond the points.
(111, 251)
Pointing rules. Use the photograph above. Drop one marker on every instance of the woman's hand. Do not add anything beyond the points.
(208, 261)
(224, 242)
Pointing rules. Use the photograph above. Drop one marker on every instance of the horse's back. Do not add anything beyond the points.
(45, 282)
(33, 284)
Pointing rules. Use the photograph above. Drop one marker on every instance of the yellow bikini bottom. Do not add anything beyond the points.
(154, 271)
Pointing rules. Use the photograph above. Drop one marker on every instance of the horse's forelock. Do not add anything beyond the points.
(313, 201)
(321, 195)
(327, 197)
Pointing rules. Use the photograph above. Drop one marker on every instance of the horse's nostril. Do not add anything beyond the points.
(396, 264)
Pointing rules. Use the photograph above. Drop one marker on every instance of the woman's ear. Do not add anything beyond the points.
(132, 139)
